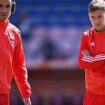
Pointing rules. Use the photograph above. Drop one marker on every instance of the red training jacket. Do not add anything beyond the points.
(12, 60)
(94, 64)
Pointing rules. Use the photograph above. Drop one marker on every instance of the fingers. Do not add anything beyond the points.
(86, 53)
(27, 101)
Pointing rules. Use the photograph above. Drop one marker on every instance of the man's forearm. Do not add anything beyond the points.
(86, 60)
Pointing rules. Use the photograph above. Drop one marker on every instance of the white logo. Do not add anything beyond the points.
(92, 44)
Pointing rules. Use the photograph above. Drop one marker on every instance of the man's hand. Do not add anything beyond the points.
(27, 101)
(86, 53)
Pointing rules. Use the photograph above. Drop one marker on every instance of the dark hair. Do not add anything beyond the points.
(13, 0)
(95, 5)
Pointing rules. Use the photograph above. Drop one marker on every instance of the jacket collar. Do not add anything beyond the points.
(4, 23)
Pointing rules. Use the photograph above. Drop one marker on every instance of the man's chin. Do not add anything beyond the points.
(3, 19)
(100, 29)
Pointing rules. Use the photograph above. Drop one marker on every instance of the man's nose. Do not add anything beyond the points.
(4, 9)
(96, 20)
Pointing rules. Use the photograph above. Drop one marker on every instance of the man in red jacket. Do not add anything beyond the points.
(11, 57)
(92, 55)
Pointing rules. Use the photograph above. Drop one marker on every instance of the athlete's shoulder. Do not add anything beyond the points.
(88, 32)
(13, 28)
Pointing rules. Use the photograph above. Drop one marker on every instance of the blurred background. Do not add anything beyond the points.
(51, 31)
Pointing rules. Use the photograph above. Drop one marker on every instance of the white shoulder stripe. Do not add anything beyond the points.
(86, 33)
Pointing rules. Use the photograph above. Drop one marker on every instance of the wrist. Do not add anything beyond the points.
(27, 101)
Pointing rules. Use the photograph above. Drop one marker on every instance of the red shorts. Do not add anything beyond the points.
(4, 99)
(93, 99)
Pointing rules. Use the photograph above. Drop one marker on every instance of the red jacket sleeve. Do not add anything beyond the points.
(91, 61)
(19, 69)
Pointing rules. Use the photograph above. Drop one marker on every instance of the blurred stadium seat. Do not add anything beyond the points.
(51, 31)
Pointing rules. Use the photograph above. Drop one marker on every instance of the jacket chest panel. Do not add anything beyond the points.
(100, 44)
(97, 45)
(100, 47)
(5, 48)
